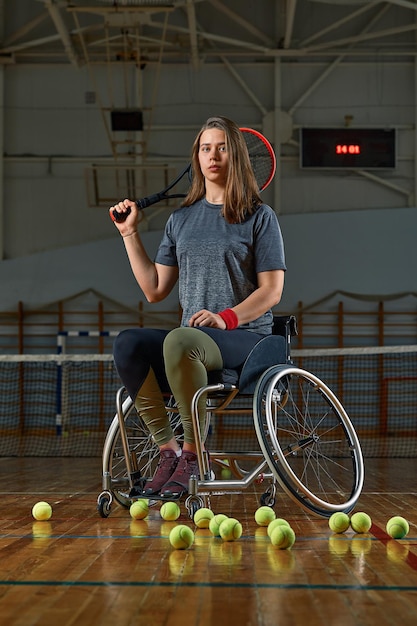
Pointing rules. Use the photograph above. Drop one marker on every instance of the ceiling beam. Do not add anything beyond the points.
(337, 23)
(192, 25)
(62, 31)
(406, 4)
(289, 22)
(212, 37)
(365, 37)
(238, 19)
(24, 30)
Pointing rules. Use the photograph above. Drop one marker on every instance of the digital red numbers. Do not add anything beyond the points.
(343, 148)
(348, 148)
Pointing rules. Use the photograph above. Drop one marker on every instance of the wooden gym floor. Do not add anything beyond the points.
(81, 569)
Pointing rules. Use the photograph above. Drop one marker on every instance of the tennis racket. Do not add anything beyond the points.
(262, 158)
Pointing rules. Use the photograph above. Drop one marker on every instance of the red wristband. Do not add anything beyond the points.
(230, 319)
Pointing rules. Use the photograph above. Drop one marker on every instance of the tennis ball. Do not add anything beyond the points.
(42, 511)
(202, 517)
(282, 537)
(226, 473)
(339, 522)
(397, 527)
(264, 515)
(181, 537)
(360, 522)
(139, 509)
(278, 521)
(215, 523)
(230, 529)
(170, 511)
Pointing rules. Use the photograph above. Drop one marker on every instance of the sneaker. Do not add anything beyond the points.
(177, 485)
(168, 462)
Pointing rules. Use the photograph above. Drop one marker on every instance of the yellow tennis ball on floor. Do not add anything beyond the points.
(181, 537)
(202, 517)
(225, 473)
(278, 521)
(230, 529)
(215, 523)
(339, 522)
(283, 537)
(264, 515)
(397, 527)
(360, 522)
(139, 509)
(170, 511)
(42, 511)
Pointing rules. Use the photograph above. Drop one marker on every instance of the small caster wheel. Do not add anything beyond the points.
(193, 504)
(104, 505)
(268, 497)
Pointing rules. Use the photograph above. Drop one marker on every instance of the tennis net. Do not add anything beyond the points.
(377, 387)
(52, 405)
(62, 405)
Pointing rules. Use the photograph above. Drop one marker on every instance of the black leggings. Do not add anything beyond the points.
(151, 362)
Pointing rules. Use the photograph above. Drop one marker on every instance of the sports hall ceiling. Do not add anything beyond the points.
(199, 32)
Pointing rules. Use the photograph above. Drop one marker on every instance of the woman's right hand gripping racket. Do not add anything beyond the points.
(262, 158)
(142, 203)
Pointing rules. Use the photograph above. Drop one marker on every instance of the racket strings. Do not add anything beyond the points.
(261, 157)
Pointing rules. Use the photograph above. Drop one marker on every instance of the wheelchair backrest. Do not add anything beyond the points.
(270, 350)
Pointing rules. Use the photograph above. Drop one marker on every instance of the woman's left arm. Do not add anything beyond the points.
(265, 297)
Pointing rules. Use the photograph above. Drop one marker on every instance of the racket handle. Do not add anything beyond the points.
(148, 200)
(142, 203)
(119, 217)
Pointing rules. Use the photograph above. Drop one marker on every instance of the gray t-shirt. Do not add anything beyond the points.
(217, 261)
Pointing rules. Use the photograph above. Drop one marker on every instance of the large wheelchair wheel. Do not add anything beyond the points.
(141, 447)
(308, 440)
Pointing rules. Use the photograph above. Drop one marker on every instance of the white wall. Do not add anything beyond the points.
(369, 252)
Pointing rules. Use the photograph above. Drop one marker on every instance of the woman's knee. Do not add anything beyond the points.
(125, 345)
(193, 345)
(139, 342)
(180, 338)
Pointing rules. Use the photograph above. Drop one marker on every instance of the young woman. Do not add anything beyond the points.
(225, 248)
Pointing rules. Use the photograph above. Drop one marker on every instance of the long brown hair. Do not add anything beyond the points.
(241, 197)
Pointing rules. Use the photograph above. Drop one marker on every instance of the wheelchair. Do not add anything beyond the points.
(305, 441)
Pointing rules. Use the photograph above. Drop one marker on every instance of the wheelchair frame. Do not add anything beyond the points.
(308, 444)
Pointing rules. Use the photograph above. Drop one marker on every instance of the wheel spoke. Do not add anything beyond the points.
(141, 447)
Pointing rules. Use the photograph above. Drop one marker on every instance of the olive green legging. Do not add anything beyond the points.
(188, 355)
